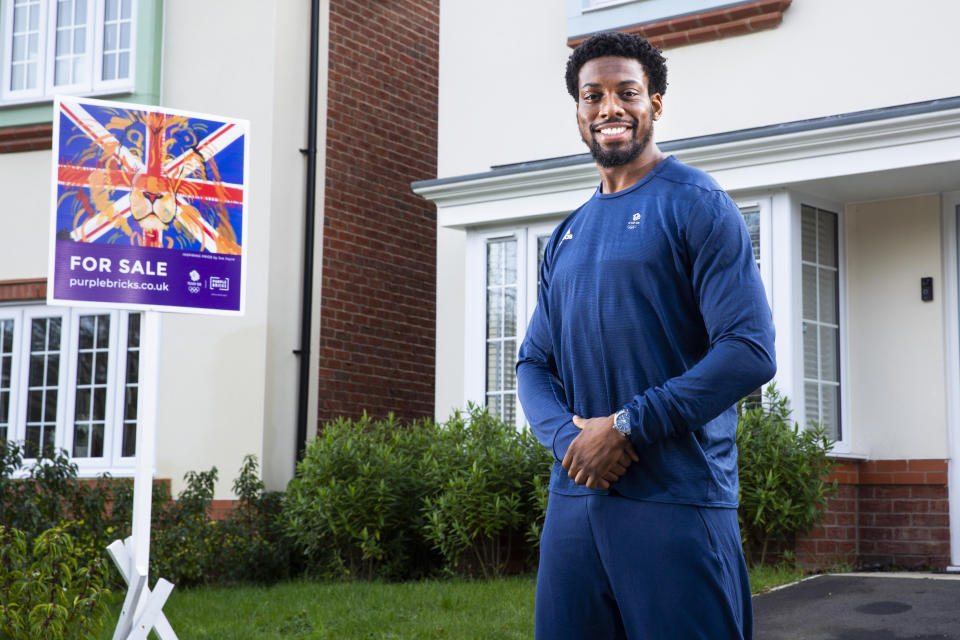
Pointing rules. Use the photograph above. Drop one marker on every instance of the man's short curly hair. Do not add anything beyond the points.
(625, 45)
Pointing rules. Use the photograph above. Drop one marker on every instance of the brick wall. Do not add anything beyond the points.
(33, 289)
(885, 513)
(378, 292)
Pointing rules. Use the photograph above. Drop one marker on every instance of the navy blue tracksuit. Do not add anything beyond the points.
(650, 300)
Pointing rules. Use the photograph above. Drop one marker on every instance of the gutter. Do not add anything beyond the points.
(306, 304)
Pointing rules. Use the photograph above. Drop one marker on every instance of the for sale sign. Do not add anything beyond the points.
(148, 208)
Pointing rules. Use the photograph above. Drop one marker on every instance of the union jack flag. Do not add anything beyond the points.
(149, 178)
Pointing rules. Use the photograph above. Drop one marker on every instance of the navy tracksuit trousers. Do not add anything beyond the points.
(616, 568)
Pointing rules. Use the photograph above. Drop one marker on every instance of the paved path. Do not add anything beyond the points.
(879, 606)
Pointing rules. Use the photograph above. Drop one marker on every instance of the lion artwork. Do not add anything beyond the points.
(150, 179)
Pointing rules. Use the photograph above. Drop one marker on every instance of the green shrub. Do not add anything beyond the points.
(185, 543)
(782, 475)
(487, 493)
(354, 506)
(54, 593)
(47, 493)
(256, 546)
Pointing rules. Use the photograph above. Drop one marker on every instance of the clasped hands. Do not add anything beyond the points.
(599, 454)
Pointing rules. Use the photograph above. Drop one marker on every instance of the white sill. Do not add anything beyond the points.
(40, 100)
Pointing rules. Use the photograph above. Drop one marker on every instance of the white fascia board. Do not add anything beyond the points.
(750, 163)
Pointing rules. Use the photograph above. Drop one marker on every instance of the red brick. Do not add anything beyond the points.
(930, 520)
(910, 506)
(876, 533)
(891, 492)
(892, 520)
(873, 477)
(928, 465)
(884, 465)
(876, 506)
(935, 477)
(931, 491)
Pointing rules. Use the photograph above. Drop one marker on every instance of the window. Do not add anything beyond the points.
(69, 380)
(501, 313)
(503, 284)
(67, 47)
(820, 276)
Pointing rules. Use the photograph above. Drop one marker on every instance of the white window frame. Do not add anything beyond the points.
(96, 10)
(475, 358)
(787, 303)
(112, 460)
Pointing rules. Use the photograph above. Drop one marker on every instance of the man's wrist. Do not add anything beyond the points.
(621, 422)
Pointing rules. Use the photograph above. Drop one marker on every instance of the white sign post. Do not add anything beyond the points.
(148, 213)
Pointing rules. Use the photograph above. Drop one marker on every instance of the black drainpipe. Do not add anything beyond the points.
(306, 307)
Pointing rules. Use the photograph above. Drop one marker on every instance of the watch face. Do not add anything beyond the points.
(622, 422)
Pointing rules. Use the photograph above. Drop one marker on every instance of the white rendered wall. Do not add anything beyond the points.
(26, 215)
(896, 343)
(502, 95)
(212, 369)
(287, 184)
(451, 323)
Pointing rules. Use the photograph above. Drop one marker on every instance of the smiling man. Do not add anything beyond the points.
(650, 324)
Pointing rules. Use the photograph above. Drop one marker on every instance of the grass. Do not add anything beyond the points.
(501, 609)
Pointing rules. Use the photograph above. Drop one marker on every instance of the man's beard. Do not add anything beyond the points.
(608, 158)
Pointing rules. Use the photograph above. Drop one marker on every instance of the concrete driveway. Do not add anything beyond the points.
(861, 606)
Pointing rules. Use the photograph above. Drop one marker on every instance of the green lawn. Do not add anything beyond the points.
(370, 610)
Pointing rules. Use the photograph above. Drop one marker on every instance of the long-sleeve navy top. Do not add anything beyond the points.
(650, 300)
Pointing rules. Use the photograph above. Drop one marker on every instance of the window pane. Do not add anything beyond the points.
(130, 404)
(125, 35)
(7, 330)
(133, 367)
(50, 406)
(53, 341)
(33, 48)
(828, 296)
(510, 311)
(82, 407)
(96, 440)
(53, 370)
(80, 441)
(829, 355)
(80, 13)
(80, 40)
(133, 330)
(110, 37)
(810, 350)
(31, 442)
(808, 233)
(35, 16)
(127, 9)
(495, 263)
(830, 396)
(111, 10)
(64, 14)
(494, 358)
(811, 401)
(494, 313)
(19, 50)
(6, 364)
(827, 238)
(35, 378)
(510, 408)
(101, 368)
(123, 65)
(61, 72)
(129, 439)
(38, 334)
(109, 66)
(510, 364)
(84, 368)
(99, 403)
(19, 18)
(34, 406)
(510, 262)
(809, 285)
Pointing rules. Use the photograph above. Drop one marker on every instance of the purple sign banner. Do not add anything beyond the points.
(148, 208)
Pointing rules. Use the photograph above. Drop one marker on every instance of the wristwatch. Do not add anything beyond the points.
(621, 422)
